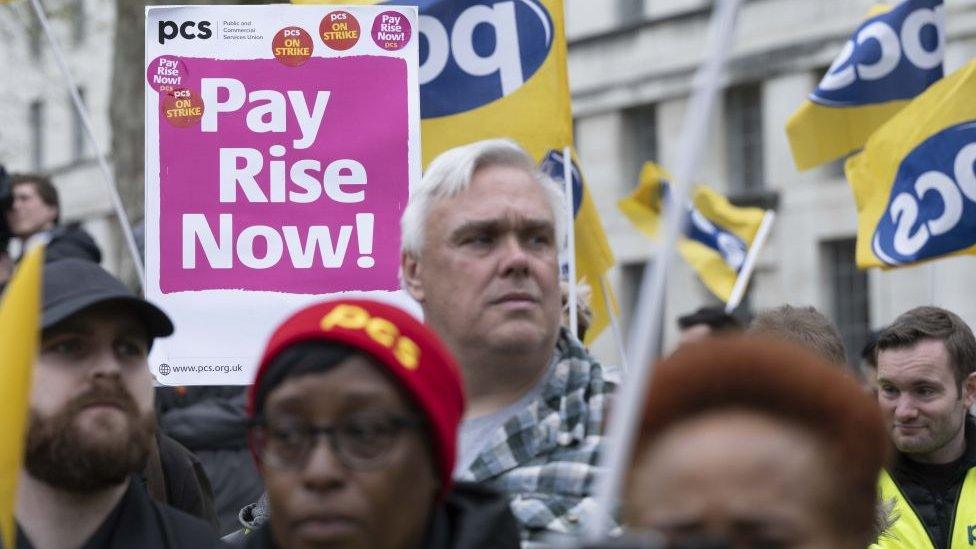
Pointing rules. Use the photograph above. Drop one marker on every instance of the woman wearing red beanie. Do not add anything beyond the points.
(354, 412)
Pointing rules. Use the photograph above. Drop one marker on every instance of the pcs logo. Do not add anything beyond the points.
(932, 209)
(190, 30)
(895, 55)
(478, 52)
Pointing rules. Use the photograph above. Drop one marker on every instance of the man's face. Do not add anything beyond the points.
(324, 498)
(741, 477)
(28, 214)
(924, 406)
(91, 411)
(694, 333)
(488, 274)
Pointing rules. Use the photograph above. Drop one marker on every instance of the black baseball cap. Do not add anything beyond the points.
(72, 285)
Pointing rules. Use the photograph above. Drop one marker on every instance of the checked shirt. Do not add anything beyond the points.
(546, 456)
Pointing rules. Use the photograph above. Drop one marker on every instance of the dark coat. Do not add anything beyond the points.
(175, 477)
(471, 517)
(72, 241)
(138, 521)
(211, 422)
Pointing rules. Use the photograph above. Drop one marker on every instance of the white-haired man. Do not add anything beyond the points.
(481, 236)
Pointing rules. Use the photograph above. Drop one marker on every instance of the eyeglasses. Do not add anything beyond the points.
(361, 441)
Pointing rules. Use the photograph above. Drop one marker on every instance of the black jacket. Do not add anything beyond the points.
(138, 521)
(72, 241)
(932, 490)
(471, 517)
(175, 477)
(212, 423)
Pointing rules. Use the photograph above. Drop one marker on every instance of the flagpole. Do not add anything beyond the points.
(90, 133)
(644, 338)
(570, 241)
(745, 273)
(614, 323)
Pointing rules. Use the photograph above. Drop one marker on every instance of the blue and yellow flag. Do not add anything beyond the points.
(718, 234)
(20, 317)
(490, 69)
(915, 181)
(892, 57)
(593, 254)
(493, 68)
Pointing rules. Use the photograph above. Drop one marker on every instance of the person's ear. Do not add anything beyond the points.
(410, 270)
(969, 390)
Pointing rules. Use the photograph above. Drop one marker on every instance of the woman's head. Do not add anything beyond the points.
(759, 441)
(355, 411)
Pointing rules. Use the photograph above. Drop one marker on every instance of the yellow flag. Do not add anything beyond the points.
(893, 56)
(593, 254)
(718, 235)
(19, 324)
(915, 181)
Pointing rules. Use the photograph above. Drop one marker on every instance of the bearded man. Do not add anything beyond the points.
(92, 426)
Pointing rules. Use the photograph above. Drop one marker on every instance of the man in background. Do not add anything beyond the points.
(804, 326)
(707, 321)
(926, 384)
(35, 208)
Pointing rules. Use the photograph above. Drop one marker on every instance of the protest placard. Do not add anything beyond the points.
(281, 143)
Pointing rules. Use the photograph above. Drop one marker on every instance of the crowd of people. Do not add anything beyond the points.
(483, 426)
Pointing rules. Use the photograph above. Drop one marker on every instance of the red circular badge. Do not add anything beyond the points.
(182, 108)
(339, 30)
(292, 46)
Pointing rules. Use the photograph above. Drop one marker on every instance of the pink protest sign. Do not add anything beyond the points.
(277, 171)
(285, 192)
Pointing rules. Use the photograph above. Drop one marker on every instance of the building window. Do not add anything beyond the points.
(78, 141)
(850, 299)
(34, 32)
(744, 139)
(37, 133)
(630, 11)
(641, 132)
(632, 275)
(79, 22)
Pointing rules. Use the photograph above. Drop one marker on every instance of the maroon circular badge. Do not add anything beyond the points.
(182, 108)
(166, 73)
(391, 30)
(292, 46)
(339, 30)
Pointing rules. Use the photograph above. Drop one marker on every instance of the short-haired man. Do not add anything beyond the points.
(805, 326)
(92, 423)
(35, 208)
(926, 383)
(481, 235)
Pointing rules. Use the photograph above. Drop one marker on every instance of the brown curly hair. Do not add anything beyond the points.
(787, 382)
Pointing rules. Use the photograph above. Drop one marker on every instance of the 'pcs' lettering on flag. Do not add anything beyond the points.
(718, 234)
(915, 181)
(892, 57)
